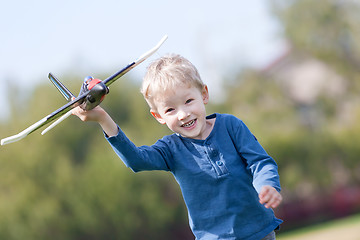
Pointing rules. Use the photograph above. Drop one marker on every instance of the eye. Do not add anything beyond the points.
(189, 101)
(169, 110)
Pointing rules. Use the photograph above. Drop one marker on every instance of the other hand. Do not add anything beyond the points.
(270, 197)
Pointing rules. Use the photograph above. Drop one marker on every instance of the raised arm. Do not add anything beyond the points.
(100, 116)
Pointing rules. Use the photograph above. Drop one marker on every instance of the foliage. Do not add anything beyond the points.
(310, 159)
(68, 184)
(325, 29)
(323, 156)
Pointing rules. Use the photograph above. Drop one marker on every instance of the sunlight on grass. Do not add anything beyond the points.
(344, 229)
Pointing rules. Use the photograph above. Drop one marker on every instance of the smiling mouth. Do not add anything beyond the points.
(189, 124)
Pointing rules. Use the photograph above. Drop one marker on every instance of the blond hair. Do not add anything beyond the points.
(166, 73)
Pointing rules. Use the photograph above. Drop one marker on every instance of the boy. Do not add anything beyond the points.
(229, 183)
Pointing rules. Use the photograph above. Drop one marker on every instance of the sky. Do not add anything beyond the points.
(95, 37)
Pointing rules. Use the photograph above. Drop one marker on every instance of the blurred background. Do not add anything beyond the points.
(289, 69)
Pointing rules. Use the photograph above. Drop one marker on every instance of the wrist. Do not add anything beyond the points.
(107, 124)
(102, 117)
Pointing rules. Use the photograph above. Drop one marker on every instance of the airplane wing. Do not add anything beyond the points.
(49, 118)
(61, 87)
(63, 112)
(67, 94)
(131, 65)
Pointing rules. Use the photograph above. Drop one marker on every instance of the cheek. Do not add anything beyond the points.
(172, 122)
(199, 108)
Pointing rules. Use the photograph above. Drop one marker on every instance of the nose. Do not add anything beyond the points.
(182, 114)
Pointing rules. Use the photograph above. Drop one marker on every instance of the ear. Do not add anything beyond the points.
(205, 94)
(157, 117)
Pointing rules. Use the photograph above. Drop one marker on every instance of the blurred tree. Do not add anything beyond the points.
(325, 29)
(310, 156)
(68, 184)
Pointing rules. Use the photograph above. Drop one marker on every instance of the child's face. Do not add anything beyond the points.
(183, 111)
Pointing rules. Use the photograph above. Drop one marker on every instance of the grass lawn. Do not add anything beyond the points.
(344, 229)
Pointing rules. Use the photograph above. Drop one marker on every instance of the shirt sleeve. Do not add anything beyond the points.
(262, 166)
(139, 158)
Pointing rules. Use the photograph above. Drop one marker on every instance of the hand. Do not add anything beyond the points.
(92, 115)
(98, 115)
(270, 197)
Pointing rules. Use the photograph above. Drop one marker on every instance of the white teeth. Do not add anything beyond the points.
(189, 123)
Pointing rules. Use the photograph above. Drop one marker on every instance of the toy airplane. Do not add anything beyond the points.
(91, 94)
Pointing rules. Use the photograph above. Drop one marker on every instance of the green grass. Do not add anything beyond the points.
(334, 226)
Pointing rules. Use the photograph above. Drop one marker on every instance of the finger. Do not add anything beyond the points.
(75, 111)
(274, 201)
(80, 113)
(264, 191)
(266, 194)
(265, 198)
(277, 203)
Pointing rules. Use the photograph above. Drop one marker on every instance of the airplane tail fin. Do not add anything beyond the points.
(61, 87)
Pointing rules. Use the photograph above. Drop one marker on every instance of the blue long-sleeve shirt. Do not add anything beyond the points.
(220, 177)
